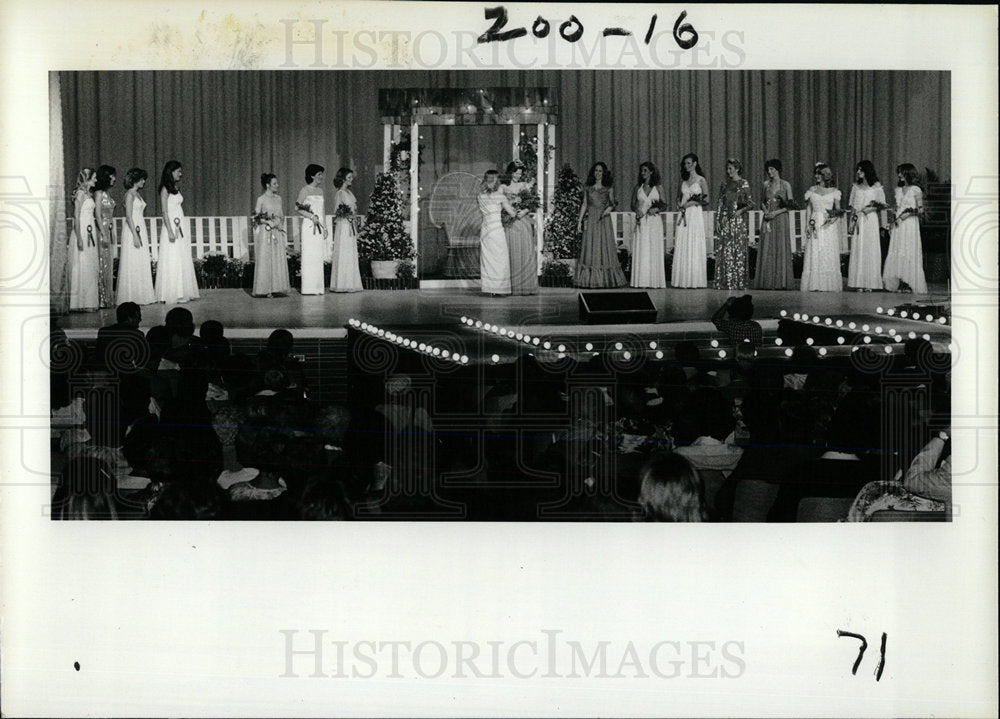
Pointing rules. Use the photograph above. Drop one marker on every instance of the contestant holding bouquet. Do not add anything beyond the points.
(175, 277)
(270, 273)
(345, 274)
(690, 253)
(83, 269)
(732, 230)
(135, 277)
(521, 242)
(647, 248)
(867, 201)
(598, 265)
(904, 264)
(774, 252)
(494, 256)
(313, 233)
(821, 264)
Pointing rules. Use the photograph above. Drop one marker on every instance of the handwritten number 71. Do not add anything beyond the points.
(861, 652)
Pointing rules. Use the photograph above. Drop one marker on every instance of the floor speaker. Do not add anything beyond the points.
(614, 308)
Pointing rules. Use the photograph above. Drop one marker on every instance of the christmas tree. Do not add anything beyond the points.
(383, 236)
(562, 239)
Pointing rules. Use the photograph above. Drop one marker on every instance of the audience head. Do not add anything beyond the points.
(134, 176)
(226, 422)
(324, 499)
(280, 342)
(687, 353)
(918, 353)
(211, 331)
(671, 490)
(128, 313)
(180, 325)
(599, 175)
(332, 423)
(741, 308)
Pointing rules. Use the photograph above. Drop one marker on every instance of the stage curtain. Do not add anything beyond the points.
(229, 127)
(58, 231)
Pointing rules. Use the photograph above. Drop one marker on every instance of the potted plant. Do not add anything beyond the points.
(382, 240)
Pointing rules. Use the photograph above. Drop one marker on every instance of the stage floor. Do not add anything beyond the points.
(326, 315)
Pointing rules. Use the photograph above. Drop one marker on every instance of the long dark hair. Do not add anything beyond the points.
(909, 173)
(104, 175)
(606, 179)
(868, 169)
(167, 177)
(654, 174)
(685, 175)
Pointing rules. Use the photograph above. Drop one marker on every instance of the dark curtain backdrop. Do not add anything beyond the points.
(229, 127)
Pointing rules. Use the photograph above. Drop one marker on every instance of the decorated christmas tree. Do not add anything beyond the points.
(383, 236)
(562, 239)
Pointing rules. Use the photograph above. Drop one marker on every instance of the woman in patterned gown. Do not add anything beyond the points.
(647, 249)
(521, 237)
(175, 277)
(905, 260)
(598, 265)
(83, 270)
(821, 264)
(270, 272)
(105, 210)
(864, 271)
(689, 265)
(774, 255)
(494, 256)
(135, 276)
(313, 234)
(731, 229)
(345, 273)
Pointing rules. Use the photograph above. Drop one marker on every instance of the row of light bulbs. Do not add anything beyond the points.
(913, 316)
(408, 343)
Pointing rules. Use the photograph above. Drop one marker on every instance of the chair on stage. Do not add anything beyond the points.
(455, 208)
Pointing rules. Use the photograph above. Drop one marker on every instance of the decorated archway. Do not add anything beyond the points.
(516, 107)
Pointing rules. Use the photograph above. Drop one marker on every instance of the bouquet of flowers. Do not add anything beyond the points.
(344, 212)
(268, 220)
(834, 215)
(904, 214)
(526, 199)
(306, 207)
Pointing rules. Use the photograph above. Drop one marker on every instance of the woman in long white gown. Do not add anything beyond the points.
(689, 267)
(821, 264)
(494, 256)
(647, 249)
(345, 273)
(864, 273)
(313, 234)
(83, 262)
(135, 277)
(175, 277)
(905, 260)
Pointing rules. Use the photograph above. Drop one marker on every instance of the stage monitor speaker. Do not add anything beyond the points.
(616, 308)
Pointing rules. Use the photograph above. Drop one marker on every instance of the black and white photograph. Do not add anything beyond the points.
(361, 357)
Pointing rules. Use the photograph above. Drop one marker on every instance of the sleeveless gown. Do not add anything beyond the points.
(494, 257)
(83, 265)
(774, 255)
(647, 249)
(313, 249)
(175, 277)
(689, 263)
(105, 255)
(135, 276)
(270, 271)
(865, 267)
(821, 263)
(598, 265)
(345, 274)
(905, 259)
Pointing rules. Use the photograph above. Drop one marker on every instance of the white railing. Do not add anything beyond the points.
(232, 237)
